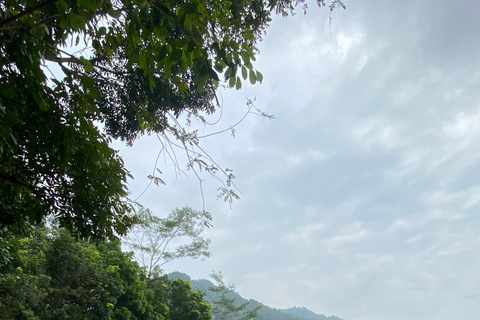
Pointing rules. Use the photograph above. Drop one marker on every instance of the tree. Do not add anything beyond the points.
(125, 68)
(180, 300)
(186, 303)
(51, 275)
(152, 237)
(225, 307)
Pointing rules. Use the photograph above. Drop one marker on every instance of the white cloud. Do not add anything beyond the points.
(398, 225)
(415, 238)
(353, 234)
(410, 163)
(366, 182)
(348, 207)
(305, 234)
(453, 249)
(463, 126)
(376, 132)
(348, 42)
(296, 268)
(444, 204)
(314, 156)
(406, 92)
(255, 276)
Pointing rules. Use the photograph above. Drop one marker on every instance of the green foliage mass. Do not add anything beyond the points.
(50, 275)
(75, 74)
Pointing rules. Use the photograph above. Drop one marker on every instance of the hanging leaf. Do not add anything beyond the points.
(244, 73)
(253, 77)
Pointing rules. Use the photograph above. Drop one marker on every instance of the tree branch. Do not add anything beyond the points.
(24, 184)
(29, 10)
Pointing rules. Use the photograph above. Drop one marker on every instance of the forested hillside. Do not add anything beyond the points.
(51, 275)
(264, 313)
(305, 313)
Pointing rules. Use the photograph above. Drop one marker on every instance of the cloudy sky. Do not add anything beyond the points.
(362, 197)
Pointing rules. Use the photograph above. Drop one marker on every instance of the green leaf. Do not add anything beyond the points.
(224, 21)
(253, 77)
(238, 84)
(244, 73)
(61, 5)
(201, 9)
(231, 82)
(245, 56)
(89, 5)
(218, 67)
(176, 55)
(87, 64)
(162, 32)
(259, 77)
(188, 21)
(248, 34)
(101, 31)
(77, 21)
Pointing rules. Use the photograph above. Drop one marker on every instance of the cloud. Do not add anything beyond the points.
(376, 132)
(305, 234)
(296, 268)
(353, 234)
(398, 225)
(415, 238)
(366, 183)
(348, 207)
(464, 126)
(314, 156)
(452, 205)
(254, 276)
(453, 249)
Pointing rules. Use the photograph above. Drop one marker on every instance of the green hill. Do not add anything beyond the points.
(265, 313)
(307, 314)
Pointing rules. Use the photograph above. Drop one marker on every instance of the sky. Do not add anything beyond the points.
(362, 197)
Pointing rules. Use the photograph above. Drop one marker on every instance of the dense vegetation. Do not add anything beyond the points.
(50, 275)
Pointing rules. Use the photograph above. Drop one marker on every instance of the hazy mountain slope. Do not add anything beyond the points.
(305, 313)
(265, 313)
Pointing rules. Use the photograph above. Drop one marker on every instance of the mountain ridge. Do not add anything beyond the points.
(265, 313)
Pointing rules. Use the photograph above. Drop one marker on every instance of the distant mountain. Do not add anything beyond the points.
(305, 313)
(265, 313)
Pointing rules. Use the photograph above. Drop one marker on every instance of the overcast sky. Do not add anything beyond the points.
(362, 197)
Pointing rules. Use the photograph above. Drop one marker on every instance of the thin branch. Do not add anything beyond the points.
(153, 173)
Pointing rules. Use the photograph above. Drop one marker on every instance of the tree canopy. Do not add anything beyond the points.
(76, 74)
(151, 239)
(50, 275)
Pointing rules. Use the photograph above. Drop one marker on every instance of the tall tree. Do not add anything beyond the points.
(225, 306)
(186, 303)
(132, 66)
(152, 238)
